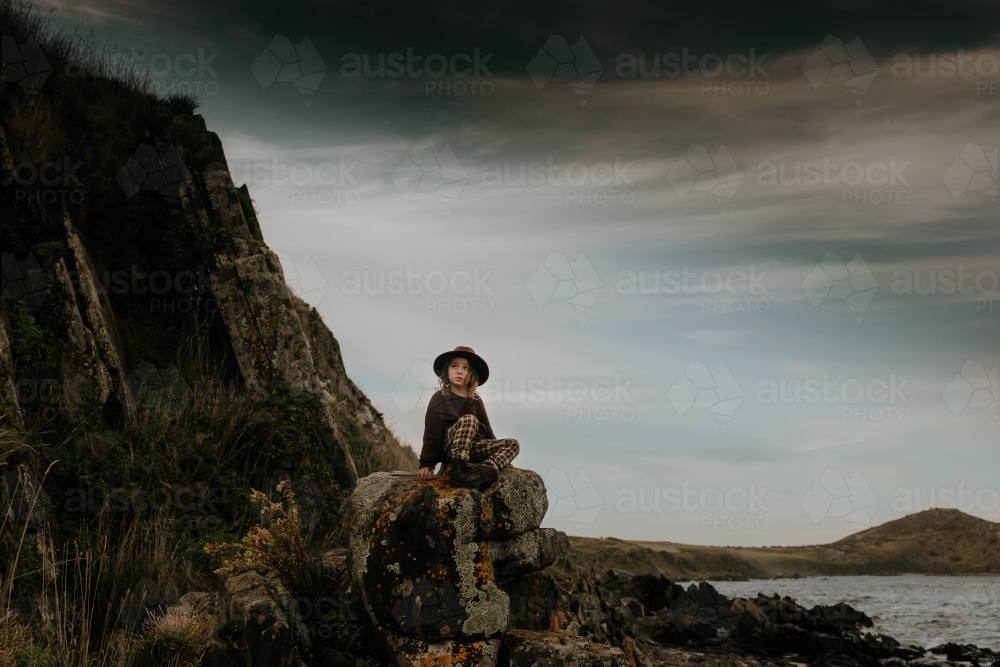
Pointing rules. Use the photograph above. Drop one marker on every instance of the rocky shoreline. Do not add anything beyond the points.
(439, 575)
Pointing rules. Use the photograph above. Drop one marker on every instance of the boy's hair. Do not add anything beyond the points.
(472, 384)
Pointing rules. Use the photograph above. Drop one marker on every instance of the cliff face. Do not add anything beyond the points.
(111, 278)
(155, 367)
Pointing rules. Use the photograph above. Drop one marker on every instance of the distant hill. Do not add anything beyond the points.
(936, 541)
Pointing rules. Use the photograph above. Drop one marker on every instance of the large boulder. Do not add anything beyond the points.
(432, 563)
(426, 557)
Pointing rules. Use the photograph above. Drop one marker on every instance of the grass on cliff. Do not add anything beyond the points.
(84, 71)
(120, 507)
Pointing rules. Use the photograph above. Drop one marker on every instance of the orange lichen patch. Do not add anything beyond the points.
(486, 512)
(598, 648)
(462, 654)
(484, 567)
(628, 646)
(484, 571)
(450, 491)
(383, 522)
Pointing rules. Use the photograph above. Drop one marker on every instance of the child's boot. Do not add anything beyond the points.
(489, 472)
(472, 475)
(462, 475)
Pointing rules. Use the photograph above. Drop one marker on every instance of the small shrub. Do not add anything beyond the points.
(175, 641)
(277, 544)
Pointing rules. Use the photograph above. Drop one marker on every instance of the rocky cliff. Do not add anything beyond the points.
(278, 344)
(155, 366)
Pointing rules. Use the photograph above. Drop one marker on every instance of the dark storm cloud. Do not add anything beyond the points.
(513, 31)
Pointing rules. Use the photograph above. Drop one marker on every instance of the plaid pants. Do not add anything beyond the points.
(462, 442)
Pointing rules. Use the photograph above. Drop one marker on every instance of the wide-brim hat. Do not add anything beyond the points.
(478, 363)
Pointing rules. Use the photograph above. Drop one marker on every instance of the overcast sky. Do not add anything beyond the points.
(734, 271)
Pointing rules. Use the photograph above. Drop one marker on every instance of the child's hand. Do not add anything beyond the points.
(426, 472)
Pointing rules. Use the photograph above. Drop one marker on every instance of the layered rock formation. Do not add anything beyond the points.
(278, 342)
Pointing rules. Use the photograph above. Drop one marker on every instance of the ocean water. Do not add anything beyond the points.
(913, 609)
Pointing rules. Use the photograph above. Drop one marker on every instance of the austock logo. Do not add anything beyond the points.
(23, 498)
(974, 170)
(181, 291)
(872, 176)
(24, 65)
(558, 62)
(834, 496)
(603, 399)
(835, 280)
(726, 291)
(46, 183)
(423, 170)
(453, 291)
(309, 498)
(416, 387)
(974, 387)
(160, 388)
(24, 281)
(876, 399)
(700, 171)
(430, 604)
(559, 279)
(574, 500)
(150, 170)
(303, 277)
(328, 182)
(50, 399)
(701, 387)
(835, 62)
(471, 71)
(733, 508)
(283, 62)
(193, 500)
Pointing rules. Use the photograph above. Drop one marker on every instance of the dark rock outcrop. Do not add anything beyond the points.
(260, 617)
(967, 653)
(667, 624)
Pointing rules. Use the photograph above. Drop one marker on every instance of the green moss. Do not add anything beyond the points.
(35, 655)
(29, 344)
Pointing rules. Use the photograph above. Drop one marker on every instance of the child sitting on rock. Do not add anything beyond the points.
(457, 431)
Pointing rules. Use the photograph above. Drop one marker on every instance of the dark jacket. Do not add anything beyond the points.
(443, 411)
